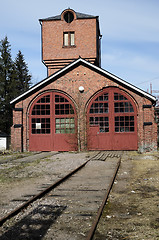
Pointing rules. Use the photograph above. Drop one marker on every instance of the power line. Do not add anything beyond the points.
(149, 80)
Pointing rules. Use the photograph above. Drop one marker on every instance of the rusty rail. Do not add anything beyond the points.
(96, 221)
(41, 194)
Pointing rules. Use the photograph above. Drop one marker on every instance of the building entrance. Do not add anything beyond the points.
(112, 121)
(53, 123)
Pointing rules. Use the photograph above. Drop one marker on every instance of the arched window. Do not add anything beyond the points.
(123, 123)
(64, 112)
(40, 120)
(68, 16)
(100, 106)
(52, 123)
(112, 121)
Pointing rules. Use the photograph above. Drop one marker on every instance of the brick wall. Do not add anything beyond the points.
(55, 55)
(92, 83)
(16, 133)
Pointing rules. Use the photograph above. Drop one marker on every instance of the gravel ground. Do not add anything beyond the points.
(23, 178)
(68, 211)
(132, 211)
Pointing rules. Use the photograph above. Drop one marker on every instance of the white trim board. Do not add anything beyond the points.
(100, 70)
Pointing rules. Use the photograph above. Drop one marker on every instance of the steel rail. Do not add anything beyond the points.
(96, 221)
(41, 194)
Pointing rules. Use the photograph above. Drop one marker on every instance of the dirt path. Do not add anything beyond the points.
(132, 211)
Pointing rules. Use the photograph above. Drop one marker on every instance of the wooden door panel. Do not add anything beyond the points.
(40, 143)
(124, 142)
(116, 114)
(53, 123)
(93, 138)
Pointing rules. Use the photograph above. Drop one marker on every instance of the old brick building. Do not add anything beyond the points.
(80, 106)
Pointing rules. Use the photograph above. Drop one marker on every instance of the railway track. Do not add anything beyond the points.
(79, 196)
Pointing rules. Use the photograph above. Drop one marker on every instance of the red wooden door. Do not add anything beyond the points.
(53, 123)
(112, 121)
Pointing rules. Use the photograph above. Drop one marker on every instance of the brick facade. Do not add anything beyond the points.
(86, 73)
(92, 82)
(86, 41)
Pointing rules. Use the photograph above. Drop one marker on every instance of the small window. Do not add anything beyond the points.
(62, 106)
(68, 17)
(65, 39)
(100, 105)
(72, 39)
(122, 104)
(65, 125)
(45, 99)
(40, 109)
(69, 39)
(102, 122)
(124, 124)
(40, 125)
(42, 106)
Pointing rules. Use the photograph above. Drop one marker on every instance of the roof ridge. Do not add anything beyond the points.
(78, 14)
(87, 63)
(84, 15)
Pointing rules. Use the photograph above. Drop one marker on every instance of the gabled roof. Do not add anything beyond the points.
(78, 15)
(78, 62)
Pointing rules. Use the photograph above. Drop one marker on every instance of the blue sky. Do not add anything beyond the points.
(130, 29)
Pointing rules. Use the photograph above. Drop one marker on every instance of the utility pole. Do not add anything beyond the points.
(155, 93)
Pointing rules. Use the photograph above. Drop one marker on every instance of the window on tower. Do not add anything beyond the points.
(68, 39)
(68, 17)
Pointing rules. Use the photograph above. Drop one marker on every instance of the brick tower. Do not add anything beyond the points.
(67, 37)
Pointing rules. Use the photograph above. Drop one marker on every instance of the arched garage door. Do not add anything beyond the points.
(112, 121)
(52, 118)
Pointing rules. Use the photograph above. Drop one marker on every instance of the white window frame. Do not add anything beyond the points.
(68, 39)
